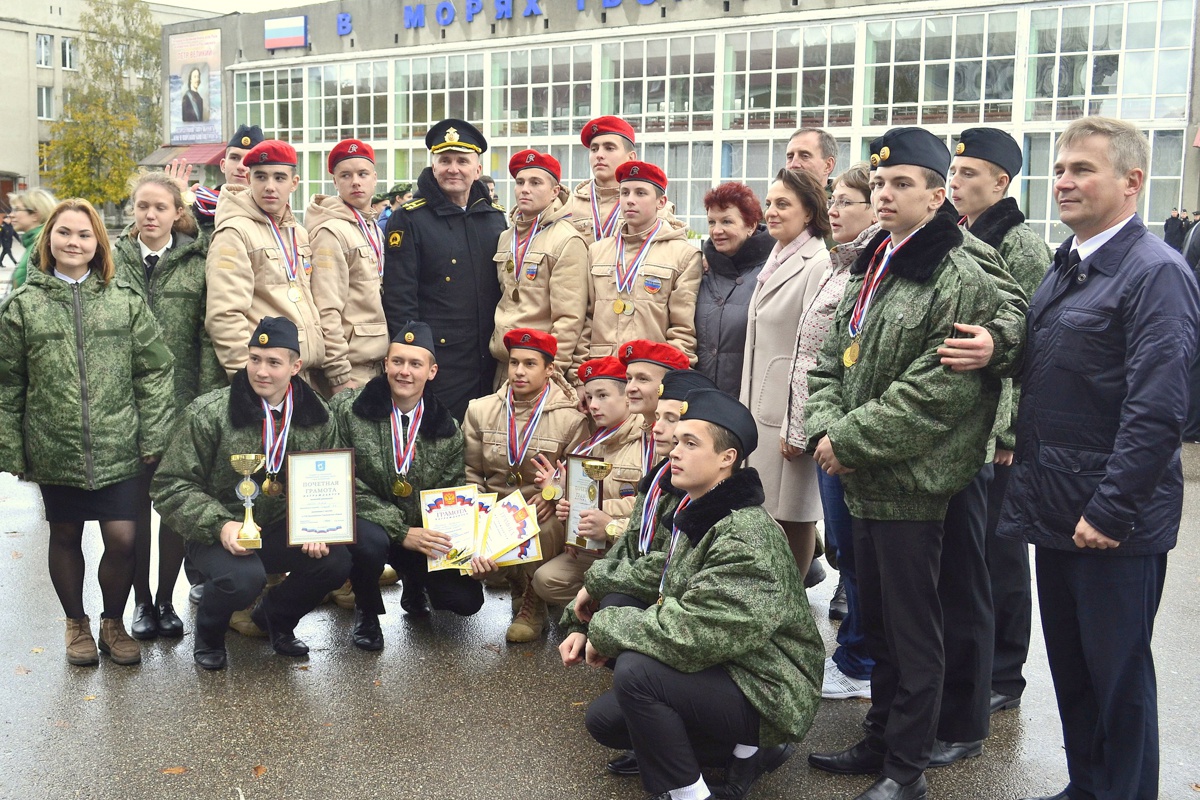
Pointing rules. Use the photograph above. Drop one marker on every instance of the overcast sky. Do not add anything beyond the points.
(229, 6)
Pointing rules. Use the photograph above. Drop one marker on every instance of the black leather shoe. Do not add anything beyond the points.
(367, 633)
(946, 753)
(888, 789)
(412, 598)
(1003, 702)
(856, 760)
(743, 772)
(169, 623)
(667, 796)
(837, 605)
(283, 642)
(815, 574)
(195, 593)
(211, 658)
(145, 622)
(624, 764)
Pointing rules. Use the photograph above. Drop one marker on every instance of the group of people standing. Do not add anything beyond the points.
(890, 349)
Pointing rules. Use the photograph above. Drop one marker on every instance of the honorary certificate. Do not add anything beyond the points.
(510, 524)
(320, 497)
(452, 512)
(526, 552)
(583, 492)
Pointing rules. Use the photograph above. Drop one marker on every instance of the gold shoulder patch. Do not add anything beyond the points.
(412, 205)
(395, 238)
(499, 207)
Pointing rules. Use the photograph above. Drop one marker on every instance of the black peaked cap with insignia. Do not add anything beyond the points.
(415, 333)
(246, 137)
(455, 136)
(276, 332)
(678, 382)
(719, 408)
(914, 146)
(991, 144)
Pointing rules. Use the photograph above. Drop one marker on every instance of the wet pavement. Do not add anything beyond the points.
(446, 710)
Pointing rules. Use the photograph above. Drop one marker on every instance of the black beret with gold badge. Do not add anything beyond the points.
(276, 332)
(914, 146)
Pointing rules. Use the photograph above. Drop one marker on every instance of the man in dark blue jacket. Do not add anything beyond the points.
(1097, 484)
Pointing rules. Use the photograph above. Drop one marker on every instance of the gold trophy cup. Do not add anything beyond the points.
(246, 464)
(597, 471)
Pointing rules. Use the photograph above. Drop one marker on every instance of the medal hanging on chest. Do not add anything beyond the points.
(371, 232)
(598, 438)
(517, 258)
(518, 445)
(404, 448)
(627, 274)
(291, 260)
(662, 581)
(650, 510)
(603, 229)
(872, 281)
(275, 443)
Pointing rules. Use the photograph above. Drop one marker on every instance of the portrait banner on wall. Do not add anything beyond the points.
(194, 87)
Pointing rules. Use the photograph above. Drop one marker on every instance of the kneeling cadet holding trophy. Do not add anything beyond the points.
(204, 490)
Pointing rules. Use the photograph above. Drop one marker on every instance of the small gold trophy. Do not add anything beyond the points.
(246, 464)
(597, 471)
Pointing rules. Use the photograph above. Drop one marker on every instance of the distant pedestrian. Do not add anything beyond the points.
(7, 234)
(30, 210)
(1174, 229)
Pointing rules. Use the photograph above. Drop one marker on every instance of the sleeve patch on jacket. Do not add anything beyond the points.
(395, 238)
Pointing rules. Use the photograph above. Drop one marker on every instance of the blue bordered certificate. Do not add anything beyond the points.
(320, 497)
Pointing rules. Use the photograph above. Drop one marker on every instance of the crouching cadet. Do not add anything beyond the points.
(266, 410)
(725, 668)
(404, 441)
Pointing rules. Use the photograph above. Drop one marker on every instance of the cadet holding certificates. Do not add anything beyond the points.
(405, 442)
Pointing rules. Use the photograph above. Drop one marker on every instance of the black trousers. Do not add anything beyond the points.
(368, 556)
(232, 582)
(675, 722)
(968, 624)
(448, 589)
(1012, 596)
(898, 565)
(1098, 614)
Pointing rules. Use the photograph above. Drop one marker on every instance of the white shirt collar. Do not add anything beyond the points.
(146, 251)
(69, 279)
(1088, 248)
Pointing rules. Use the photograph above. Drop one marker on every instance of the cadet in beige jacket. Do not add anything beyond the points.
(348, 265)
(259, 262)
(541, 262)
(642, 283)
(595, 206)
(616, 439)
(543, 409)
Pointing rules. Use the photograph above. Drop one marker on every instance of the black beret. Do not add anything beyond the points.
(719, 408)
(991, 144)
(246, 137)
(678, 382)
(416, 333)
(276, 332)
(914, 146)
(455, 136)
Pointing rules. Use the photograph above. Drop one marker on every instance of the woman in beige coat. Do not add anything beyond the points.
(797, 219)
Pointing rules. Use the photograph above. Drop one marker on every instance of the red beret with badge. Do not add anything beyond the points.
(601, 126)
(655, 352)
(269, 153)
(350, 148)
(641, 171)
(529, 339)
(532, 159)
(607, 368)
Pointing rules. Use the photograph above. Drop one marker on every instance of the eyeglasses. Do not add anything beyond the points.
(842, 203)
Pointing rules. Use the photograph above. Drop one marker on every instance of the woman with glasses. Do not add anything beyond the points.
(798, 221)
(848, 671)
(30, 210)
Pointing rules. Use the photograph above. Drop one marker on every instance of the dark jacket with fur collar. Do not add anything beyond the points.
(363, 418)
(914, 431)
(193, 487)
(732, 597)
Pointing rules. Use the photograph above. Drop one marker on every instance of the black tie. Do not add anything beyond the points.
(151, 263)
(404, 426)
(276, 414)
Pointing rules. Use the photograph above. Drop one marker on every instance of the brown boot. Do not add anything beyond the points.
(81, 647)
(389, 576)
(530, 620)
(518, 583)
(240, 621)
(343, 596)
(118, 644)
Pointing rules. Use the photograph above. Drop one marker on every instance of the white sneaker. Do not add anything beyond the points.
(839, 686)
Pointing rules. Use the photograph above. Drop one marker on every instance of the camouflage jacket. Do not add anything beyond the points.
(194, 487)
(624, 565)
(1026, 257)
(732, 597)
(363, 419)
(85, 382)
(176, 295)
(915, 432)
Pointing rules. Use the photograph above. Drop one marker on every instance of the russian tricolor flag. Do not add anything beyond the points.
(285, 32)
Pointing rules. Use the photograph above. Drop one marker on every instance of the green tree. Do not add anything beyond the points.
(112, 110)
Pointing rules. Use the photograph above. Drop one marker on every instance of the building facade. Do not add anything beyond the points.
(715, 87)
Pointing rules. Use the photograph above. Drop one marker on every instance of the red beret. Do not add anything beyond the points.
(270, 152)
(604, 125)
(655, 352)
(350, 148)
(525, 159)
(608, 368)
(641, 171)
(529, 339)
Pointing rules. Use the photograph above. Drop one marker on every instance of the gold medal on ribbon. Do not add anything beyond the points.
(628, 309)
(618, 306)
(516, 295)
(552, 493)
(401, 487)
(850, 357)
(513, 478)
(272, 486)
(509, 266)
(294, 293)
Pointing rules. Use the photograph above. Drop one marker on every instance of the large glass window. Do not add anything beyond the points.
(44, 46)
(349, 100)
(70, 53)
(45, 102)
(660, 84)
(272, 99)
(430, 89)
(541, 91)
